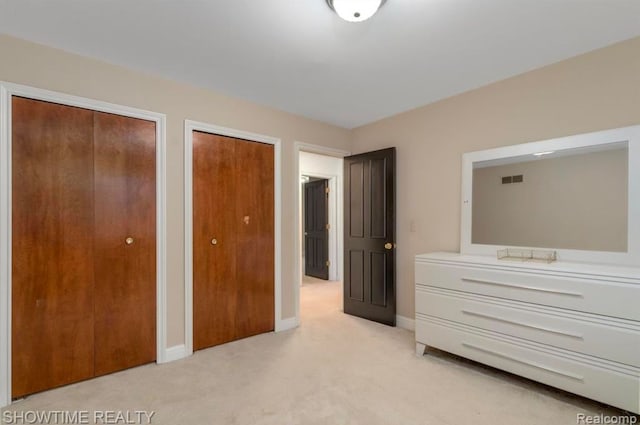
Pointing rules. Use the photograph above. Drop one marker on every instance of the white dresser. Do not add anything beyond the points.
(569, 325)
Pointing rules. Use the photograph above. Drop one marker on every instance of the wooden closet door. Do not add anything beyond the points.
(255, 230)
(52, 245)
(215, 291)
(125, 269)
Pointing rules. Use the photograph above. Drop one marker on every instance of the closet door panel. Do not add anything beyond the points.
(214, 262)
(125, 242)
(52, 245)
(255, 230)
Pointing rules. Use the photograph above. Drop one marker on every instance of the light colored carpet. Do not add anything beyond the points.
(333, 369)
(310, 279)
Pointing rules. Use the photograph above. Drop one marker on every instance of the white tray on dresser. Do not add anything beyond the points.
(573, 326)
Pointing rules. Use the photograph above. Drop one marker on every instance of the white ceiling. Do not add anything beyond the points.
(298, 56)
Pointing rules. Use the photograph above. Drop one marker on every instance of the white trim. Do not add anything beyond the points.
(321, 150)
(189, 128)
(335, 254)
(7, 90)
(176, 352)
(161, 241)
(405, 323)
(287, 324)
(629, 134)
(5, 249)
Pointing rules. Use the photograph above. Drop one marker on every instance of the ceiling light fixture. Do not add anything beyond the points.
(355, 10)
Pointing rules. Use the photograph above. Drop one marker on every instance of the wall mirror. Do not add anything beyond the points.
(578, 195)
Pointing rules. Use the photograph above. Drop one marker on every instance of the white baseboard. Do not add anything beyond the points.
(405, 323)
(174, 353)
(286, 324)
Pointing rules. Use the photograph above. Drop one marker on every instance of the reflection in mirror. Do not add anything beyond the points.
(567, 199)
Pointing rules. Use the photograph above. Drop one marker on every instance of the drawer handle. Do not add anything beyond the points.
(529, 288)
(526, 325)
(525, 362)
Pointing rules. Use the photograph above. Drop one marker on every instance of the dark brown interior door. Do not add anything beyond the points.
(125, 242)
(215, 292)
(233, 239)
(52, 245)
(316, 232)
(369, 255)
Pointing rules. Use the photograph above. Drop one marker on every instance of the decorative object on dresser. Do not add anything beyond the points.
(573, 323)
(514, 254)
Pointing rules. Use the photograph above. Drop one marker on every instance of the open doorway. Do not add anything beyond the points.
(319, 235)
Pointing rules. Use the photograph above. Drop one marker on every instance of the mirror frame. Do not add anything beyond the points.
(629, 134)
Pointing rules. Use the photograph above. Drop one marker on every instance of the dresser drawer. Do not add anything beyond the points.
(616, 386)
(608, 338)
(587, 295)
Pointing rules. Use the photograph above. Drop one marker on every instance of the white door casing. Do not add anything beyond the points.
(7, 90)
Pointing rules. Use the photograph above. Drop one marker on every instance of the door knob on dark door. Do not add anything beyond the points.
(388, 245)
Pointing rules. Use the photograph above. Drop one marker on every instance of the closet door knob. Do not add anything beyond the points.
(214, 241)
(129, 240)
(388, 245)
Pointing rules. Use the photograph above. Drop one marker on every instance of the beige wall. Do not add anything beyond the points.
(43, 67)
(569, 202)
(595, 91)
